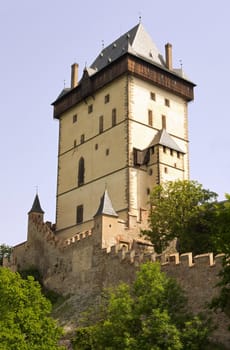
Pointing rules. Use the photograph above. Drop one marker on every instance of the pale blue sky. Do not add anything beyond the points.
(39, 42)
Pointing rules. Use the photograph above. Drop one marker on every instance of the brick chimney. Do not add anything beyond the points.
(74, 75)
(168, 56)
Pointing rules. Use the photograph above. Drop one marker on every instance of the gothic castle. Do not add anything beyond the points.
(123, 127)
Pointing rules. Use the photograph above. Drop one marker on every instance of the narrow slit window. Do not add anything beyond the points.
(101, 124)
(79, 214)
(150, 117)
(163, 118)
(114, 116)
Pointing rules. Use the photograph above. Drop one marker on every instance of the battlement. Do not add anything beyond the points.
(137, 257)
(77, 237)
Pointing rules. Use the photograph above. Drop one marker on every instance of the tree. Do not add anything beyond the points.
(25, 323)
(150, 315)
(221, 240)
(5, 252)
(182, 210)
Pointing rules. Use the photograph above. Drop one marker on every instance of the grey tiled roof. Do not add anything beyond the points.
(164, 139)
(105, 207)
(137, 42)
(36, 207)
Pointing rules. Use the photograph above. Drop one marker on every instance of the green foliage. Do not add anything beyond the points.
(25, 323)
(5, 252)
(150, 315)
(221, 240)
(182, 210)
(53, 296)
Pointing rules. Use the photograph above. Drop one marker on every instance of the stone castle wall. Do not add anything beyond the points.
(78, 267)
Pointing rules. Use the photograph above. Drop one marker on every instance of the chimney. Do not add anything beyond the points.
(74, 75)
(168, 56)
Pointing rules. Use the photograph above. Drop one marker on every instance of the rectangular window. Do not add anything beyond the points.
(164, 149)
(101, 124)
(75, 143)
(79, 214)
(74, 118)
(153, 96)
(90, 108)
(107, 98)
(171, 152)
(167, 102)
(163, 118)
(114, 116)
(150, 117)
(82, 138)
(178, 154)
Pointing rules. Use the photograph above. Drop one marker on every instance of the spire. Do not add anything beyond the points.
(36, 207)
(105, 207)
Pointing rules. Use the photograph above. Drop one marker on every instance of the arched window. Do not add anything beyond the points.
(81, 171)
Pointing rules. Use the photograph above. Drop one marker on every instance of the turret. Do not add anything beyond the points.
(36, 214)
(105, 222)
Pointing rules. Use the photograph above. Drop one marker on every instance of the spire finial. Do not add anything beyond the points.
(64, 83)
(36, 188)
(102, 44)
(140, 17)
(181, 64)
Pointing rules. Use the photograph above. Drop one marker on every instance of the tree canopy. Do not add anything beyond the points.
(5, 252)
(150, 315)
(181, 209)
(25, 323)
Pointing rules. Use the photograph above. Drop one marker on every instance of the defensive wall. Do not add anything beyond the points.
(80, 268)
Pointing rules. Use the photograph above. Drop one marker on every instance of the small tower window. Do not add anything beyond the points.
(107, 152)
(171, 152)
(153, 96)
(178, 155)
(164, 149)
(114, 116)
(74, 118)
(167, 102)
(107, 98)
(81, 171)
(96, 146)
(101, 124)
(79, 214)
(90, 109)
(75, 143)
(82, 138)
(150, 117)
(166, 170)
(163, 119)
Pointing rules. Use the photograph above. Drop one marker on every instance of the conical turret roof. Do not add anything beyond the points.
(106, 207)
(36, 207)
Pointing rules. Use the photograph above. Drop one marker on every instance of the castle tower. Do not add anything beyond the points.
(35, 214)
(105, 222)
(124, 124)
